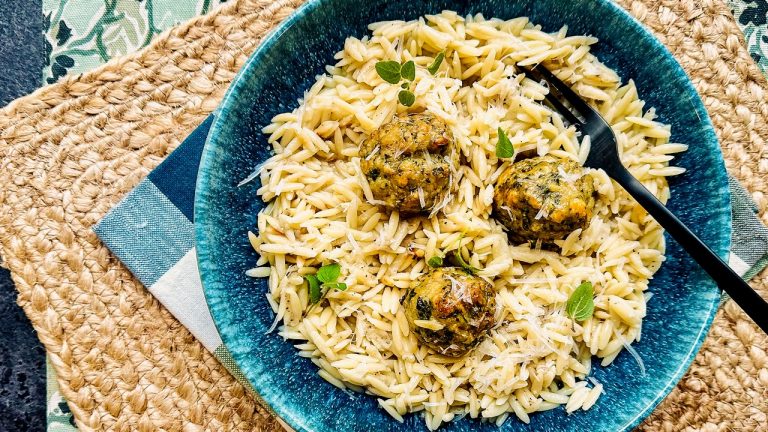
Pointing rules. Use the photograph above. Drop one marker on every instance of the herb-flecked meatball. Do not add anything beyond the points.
(408, 162)
(543, 198)
(450, 310)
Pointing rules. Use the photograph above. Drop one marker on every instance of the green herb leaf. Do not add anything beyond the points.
(457, 259)
(340, 286)
(581, 305)
(406, 98)
(405, 85)
(504, 148)
(463, 264)
(329, 273)
(314, 288)
(436, 63)
(435, 261)
(408, 71)
(389, 71)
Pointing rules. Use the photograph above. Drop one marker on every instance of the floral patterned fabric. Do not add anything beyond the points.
(59, 417)
(77, 40)
(82, 34)
(752, 17)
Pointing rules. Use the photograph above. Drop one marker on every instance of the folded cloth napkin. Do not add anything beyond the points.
(152, 232)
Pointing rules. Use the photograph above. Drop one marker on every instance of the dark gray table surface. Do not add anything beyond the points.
(22, 358)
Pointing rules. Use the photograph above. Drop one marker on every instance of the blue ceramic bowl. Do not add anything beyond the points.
(286, 64)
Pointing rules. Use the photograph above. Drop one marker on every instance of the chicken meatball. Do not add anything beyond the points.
(543, 198)
(450, 310)
(408, 162)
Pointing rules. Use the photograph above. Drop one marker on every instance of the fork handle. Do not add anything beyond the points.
(749, 300)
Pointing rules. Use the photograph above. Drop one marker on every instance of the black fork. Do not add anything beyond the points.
(604, 154)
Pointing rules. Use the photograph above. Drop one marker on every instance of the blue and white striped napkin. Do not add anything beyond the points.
(152, 232)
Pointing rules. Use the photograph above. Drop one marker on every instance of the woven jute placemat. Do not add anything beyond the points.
(71, 151)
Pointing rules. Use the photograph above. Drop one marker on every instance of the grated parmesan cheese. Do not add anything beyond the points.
(508, 210)
(428, 324)
(373, 153)
(636, 357)
(441, 205)
(256, 172)
(569, 178)
(596, 383)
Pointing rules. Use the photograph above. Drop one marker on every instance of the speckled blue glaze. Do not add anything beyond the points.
(276, 76)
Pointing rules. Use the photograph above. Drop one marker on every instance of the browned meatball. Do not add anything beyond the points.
(450, 310)
(408, 162)
(543, 198)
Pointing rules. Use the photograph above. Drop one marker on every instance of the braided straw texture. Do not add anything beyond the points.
(71, 151)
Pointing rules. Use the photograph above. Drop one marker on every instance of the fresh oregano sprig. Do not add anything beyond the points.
(504, 147)
(314, 288)
(389, 71)
(460, 260)
(408, 70)
(581, 303)
(435, 262)
(456, 258)
(323, 281)
(436, 63)
(394, 72)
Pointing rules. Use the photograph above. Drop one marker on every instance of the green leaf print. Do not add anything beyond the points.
(127, 34)
(63, 34)
(90, 32)
(752, 18)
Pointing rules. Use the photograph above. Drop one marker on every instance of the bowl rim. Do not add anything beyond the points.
(221, 112)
